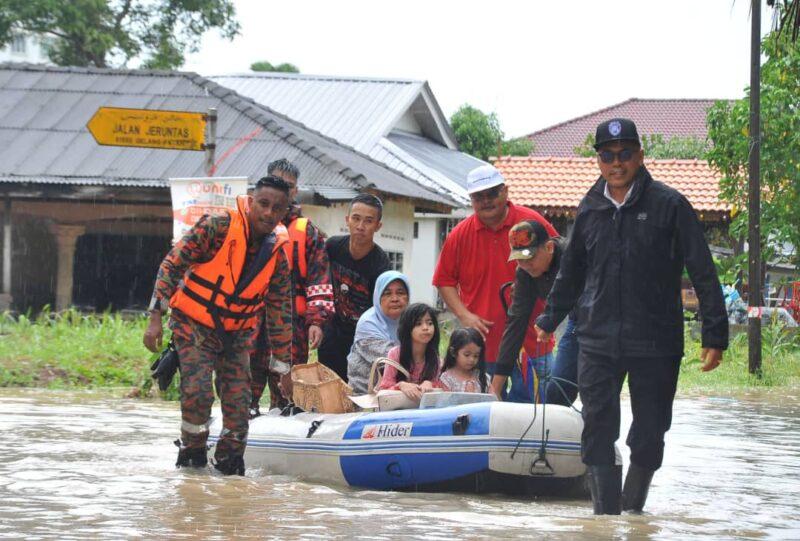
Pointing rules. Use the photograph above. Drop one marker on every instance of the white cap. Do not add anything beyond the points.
(482, 178)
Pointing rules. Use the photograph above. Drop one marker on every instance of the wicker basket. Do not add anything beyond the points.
(315, 387)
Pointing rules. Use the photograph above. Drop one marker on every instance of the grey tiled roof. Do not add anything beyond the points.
(43, 135)
(361, 112)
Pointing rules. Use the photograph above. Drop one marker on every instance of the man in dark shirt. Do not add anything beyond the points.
(355, 263)
(621, 272)
(538, 256)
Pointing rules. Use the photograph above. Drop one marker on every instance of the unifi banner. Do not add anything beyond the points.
(193, 197)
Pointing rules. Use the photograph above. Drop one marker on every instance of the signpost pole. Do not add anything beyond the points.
(211, 140)
(754, 202)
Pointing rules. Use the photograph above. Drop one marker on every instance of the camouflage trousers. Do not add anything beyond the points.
(259, 366)
(202, 354)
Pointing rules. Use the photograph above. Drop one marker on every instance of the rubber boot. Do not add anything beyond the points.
(230, 465)
(195, 457)
(637, 483)
(605, 484)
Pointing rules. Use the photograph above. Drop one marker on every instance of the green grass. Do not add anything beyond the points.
(780, 364)
(73, 350)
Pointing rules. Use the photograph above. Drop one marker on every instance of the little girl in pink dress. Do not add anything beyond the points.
(464, 365)
(418, 353)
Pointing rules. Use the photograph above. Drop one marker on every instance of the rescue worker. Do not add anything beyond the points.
(217, 280)
(312, 299)
(622, 272)
(521, 356)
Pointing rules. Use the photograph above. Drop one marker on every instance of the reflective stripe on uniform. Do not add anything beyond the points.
(191, 428)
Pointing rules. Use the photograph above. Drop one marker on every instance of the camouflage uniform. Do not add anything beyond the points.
(200, 348)
(319, 309)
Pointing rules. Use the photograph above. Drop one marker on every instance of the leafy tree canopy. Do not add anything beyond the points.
(520, 146)
(728, 129)
(111, 33)
(266, 66)
(478, 134)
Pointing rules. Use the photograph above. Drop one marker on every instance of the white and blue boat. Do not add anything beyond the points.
(482, 447)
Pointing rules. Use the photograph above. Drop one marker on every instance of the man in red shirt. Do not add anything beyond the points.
(474, 261)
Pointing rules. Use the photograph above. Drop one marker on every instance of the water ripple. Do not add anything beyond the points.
(89, 466)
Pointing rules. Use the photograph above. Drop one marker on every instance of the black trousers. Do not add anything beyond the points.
(335, 347)
(652, 383)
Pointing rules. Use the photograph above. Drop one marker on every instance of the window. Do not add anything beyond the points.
(416, 230)
(395, 261)
(445, 226)
(18, 44)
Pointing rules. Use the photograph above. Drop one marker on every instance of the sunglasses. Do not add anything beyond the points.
(491, 193)
(624, 155)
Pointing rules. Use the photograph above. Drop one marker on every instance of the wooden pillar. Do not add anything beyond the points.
(754, 296)
(66, 239)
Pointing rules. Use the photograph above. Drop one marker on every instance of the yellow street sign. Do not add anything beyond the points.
(177, 130)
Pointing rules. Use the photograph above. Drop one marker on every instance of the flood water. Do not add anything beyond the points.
(91, 466)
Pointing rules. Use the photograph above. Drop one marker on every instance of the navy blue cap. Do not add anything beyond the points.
(616, 129)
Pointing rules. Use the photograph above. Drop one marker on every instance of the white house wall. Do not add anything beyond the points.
(24, 48)
(425, 253)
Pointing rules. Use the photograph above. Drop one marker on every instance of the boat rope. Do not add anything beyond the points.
(541, 461)
(525, 433)
(557, 382)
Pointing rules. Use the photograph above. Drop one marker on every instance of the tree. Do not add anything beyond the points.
(656, 146)
(103, 33)
(678, 148)
(728, 129)
(266, 66)
(520, 146)
(478, 134)
(788, 16)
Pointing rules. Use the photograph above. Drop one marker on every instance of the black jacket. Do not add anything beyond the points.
(527, 290)
(622, 272)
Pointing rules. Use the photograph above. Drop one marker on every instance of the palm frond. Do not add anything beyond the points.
(789, 13)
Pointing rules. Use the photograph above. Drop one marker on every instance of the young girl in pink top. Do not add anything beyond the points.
(464, 365)
(418, 353)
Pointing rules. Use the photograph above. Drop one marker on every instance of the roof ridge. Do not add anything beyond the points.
(545, 158)
(27, 66)
(677, 161)
(641, 100)
(313, 77)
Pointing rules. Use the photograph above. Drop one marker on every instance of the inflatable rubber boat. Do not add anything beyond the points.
(480, 447)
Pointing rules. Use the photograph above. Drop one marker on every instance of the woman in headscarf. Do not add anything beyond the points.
(376, 331)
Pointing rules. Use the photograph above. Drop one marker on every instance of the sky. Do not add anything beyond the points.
(534, 63)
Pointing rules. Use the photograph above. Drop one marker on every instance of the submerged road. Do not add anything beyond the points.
(89, 466)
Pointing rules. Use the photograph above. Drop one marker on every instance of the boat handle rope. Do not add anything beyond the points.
(557, 382)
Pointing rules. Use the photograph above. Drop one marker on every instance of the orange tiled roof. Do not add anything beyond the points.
(556, 185)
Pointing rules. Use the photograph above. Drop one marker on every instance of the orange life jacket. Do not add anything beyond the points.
(211, 293)
(296, 256)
